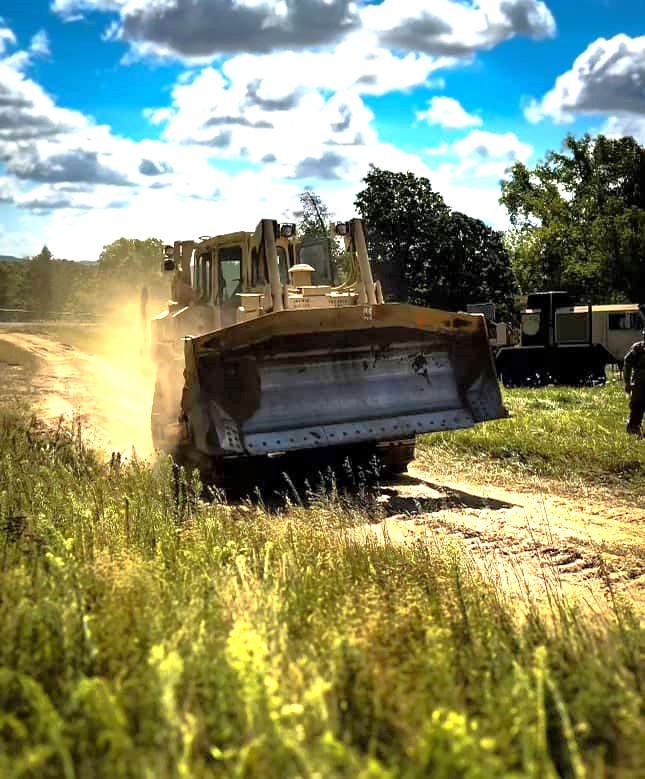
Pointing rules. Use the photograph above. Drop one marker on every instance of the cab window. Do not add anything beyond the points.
(202, 276)
(230, 272)
(258, 272)
(283, 265)
(316, 254)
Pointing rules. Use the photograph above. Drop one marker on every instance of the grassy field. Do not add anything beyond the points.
(573, 436)
(145, 635)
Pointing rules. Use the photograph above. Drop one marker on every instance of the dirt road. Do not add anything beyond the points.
(531, 538)
(110, 397)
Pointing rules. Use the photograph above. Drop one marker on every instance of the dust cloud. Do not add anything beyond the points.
(97, 376)
(121, 383)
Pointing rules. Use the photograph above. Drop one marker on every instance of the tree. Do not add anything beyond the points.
(38, 283)
(425, 253)
(579, 219)
(315, 218)
(479, 266)
(127, 265)
(12, 284)
(74, 286)
(316, 221)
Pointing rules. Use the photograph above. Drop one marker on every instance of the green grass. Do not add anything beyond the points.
(145, 636)
(561, 433)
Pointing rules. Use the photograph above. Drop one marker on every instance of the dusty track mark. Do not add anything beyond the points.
(532, 542)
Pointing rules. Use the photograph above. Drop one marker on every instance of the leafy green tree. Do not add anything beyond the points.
(579, 219)
(477, 265)
(128, 257)
(12, 284)
(425, 253)
(38, 283)
(128, 265)
(315, 219)
(74, 288)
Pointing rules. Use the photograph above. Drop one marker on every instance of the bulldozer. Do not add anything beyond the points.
(266, 351)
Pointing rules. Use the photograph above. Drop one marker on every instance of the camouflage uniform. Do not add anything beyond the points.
(634, 367)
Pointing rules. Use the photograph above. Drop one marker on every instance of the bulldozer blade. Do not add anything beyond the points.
(311, 378)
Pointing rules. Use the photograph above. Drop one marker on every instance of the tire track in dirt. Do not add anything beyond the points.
(530, 542)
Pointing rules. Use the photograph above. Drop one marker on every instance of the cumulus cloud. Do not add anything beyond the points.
(235, 113)
(467, 172)
(151, 168)
(242, 135)
(607, 78)
(202, 29)
(73, 165)
(482, 145)
(26, 111)
(448, 27)
(54, 159)
(447, 112)
(323, 167)
(620, 126)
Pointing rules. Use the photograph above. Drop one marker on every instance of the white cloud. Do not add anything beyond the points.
(202, 29)
(26, 111)
(304, 113)
(447, 27)
(607, 78)
(39, 45)
(485, 146)
(240, 140)
(619, 126)
(72, 10)
(467, 172)
(55, 159)
(448, 112)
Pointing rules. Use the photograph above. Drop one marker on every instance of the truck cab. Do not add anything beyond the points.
(565, 343)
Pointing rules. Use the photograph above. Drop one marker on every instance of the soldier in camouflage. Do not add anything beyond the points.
(634, 368)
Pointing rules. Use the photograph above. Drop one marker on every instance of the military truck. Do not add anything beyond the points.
(565, 343)
(264, 352)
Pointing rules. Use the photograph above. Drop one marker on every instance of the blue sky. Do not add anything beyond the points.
(138, 118)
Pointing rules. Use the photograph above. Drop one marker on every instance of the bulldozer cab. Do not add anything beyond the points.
(215, 274)
(240, 274)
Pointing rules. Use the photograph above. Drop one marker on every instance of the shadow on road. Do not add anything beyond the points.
(429, 496)
(352, 486)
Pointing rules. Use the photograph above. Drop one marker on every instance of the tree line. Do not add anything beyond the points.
(577, 223)
(44, 286)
